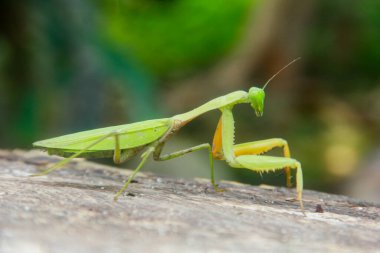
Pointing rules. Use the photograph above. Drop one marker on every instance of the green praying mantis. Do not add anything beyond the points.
(125, 141)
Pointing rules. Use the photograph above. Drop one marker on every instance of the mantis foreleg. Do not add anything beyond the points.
(272, 163)
(251, 148)
(263, 146)
(240, 156)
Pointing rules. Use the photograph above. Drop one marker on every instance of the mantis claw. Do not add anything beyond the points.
(37, 174)
(218, 189)
(42, 173)
(116, 197)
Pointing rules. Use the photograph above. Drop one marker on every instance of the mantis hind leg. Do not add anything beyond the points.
(61, 163)
(118, 157)
(263, 146)
(144, 156)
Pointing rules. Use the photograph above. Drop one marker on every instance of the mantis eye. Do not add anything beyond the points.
(256, 98)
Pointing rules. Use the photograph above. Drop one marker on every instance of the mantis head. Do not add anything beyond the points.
(256, 96)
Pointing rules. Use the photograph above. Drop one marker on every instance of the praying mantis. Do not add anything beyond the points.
(125, 141)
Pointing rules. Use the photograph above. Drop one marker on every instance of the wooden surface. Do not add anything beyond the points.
(72, 210)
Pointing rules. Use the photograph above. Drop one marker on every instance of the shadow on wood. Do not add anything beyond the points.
(72, 210)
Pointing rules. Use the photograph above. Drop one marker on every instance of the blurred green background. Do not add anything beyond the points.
(67, 66)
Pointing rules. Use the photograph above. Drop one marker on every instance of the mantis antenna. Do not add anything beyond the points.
(287, 65)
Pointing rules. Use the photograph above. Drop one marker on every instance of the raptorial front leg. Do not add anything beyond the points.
(260, 163)
(244, 155)
(250, 148)
(263, 146)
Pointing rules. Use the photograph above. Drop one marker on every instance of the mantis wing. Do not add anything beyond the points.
(130, 136)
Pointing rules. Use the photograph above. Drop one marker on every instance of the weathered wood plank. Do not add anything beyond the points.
(73, 210)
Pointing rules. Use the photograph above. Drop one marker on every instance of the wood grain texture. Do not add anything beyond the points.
(72, 210)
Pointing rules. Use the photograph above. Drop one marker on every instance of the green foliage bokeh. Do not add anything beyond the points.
(175, 37)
